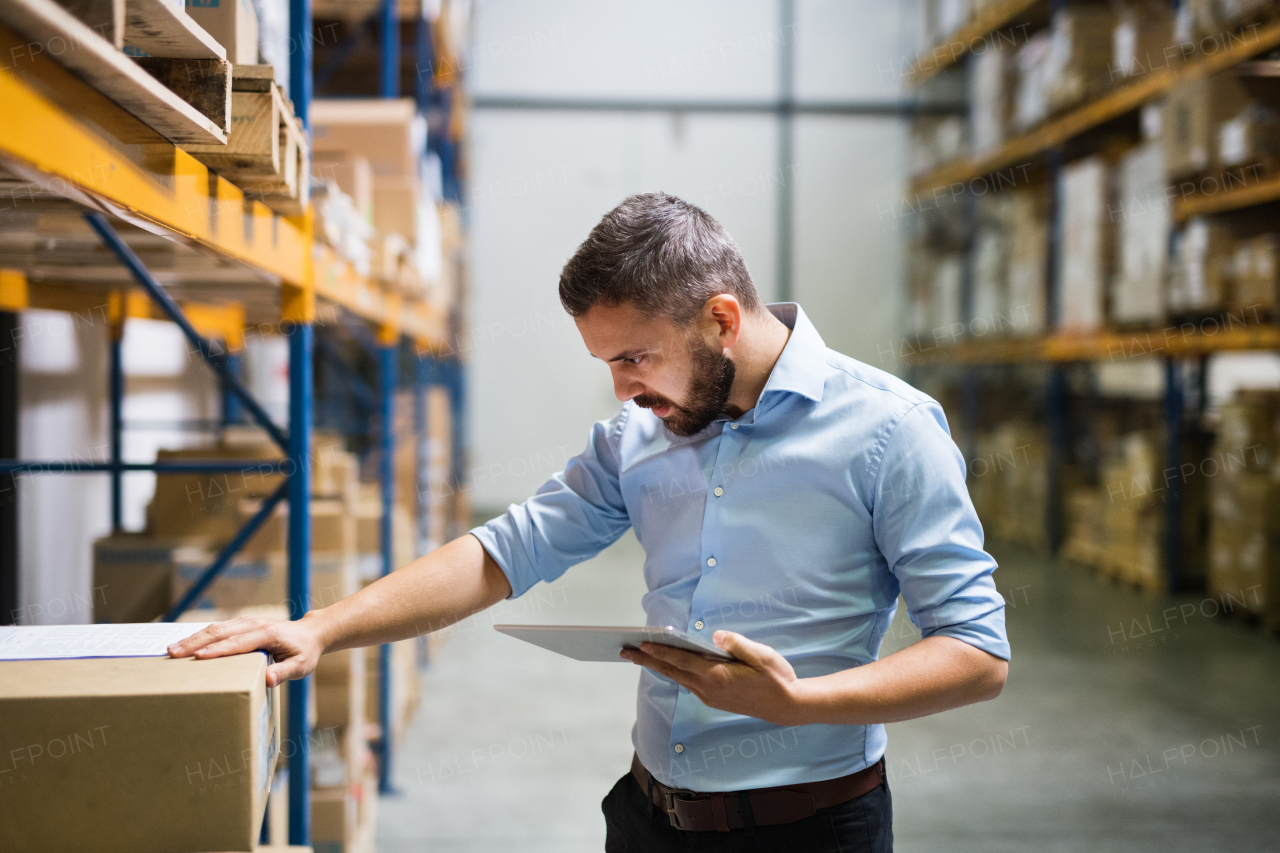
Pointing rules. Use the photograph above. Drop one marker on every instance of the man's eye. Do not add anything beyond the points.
(635, 360)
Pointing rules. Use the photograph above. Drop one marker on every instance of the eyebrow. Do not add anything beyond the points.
(622, 356)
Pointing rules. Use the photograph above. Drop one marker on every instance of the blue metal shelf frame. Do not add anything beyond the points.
(389, 356)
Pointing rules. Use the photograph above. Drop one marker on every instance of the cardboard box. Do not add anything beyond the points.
(395, 207)
(1257, 264)
(333, 820)
(352, 173)
(234, 24)
(136, 755)
(1141, 215)
(340, 688)
(991, 83)
(1085, 260)
(333, 530)
(1203, 261)
(256, 580)
(1193, 110)
(388, 132)
(133, 576)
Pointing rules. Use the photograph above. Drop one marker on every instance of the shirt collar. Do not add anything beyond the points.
(801, 368)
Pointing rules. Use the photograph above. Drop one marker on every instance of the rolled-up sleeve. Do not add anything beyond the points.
(926, 528)
(572, 517)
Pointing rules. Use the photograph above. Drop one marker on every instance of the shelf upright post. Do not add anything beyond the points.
(13, 300)
(457, 435)
(1173, 407)
(115, 345)
(231, 411)
(390, 49)
(300, 50)
(1056, 392)
(298, 315)
(389, 353)
(421, 451)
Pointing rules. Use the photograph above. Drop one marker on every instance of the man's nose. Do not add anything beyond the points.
(625, 389)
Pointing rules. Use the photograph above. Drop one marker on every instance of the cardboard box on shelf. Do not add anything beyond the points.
(1257, 262)
(1085, 260)
(352, 173)
(150, 755)
(333, 819)
(251, 581)
(1203, 264)
(405, 683)
(1193, 110)
(1142, 217)
(991, 82)
(1027, 258)
(234, 24)
(395, 206)
(333, 528)
(133, 575)
(1081, 55)
(1244, 545)
(388, 132)
(1143, 39)
(340, 686)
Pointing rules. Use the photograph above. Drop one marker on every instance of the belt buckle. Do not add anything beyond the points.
(669, 799)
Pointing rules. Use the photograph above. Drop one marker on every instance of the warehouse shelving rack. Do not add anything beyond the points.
(53, 141)
(1175, 344)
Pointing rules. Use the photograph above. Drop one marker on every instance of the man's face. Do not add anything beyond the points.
(673, 371)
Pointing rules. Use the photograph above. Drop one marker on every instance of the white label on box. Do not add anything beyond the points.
(1233, 142)
(129, 640)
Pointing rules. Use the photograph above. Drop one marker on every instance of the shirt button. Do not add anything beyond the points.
(733, 426)
(679, 748)
(719, 491)
(711, 561)
(698, 625)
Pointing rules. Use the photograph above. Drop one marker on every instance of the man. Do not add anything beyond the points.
(784, 496)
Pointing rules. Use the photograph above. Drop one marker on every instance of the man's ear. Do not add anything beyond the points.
(721, 321)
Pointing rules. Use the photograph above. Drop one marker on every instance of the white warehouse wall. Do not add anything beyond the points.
(541, 179)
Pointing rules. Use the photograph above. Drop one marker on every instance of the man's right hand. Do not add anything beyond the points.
(296, 646)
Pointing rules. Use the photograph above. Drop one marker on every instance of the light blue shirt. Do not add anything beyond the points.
(796, 525)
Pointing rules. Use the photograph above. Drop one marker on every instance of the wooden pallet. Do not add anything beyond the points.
(91, 49)
(266, 154)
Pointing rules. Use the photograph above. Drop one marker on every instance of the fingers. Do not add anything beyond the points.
(202, 638)
(238, 644)
(286, 670)
(748, 651)
(661, 667)
(687, 661)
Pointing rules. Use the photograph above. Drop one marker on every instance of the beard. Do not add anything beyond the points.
(709, 389)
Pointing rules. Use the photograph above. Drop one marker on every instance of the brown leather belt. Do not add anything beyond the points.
(723, 810)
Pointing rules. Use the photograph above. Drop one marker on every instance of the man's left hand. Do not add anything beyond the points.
(760, 683)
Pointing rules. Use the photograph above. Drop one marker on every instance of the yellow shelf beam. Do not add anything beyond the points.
(996, 16)
(1221, 333)
(1128, 97)
(114, 164)
(1262, 192)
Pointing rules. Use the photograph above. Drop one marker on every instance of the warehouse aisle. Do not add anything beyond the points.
(1125, 726)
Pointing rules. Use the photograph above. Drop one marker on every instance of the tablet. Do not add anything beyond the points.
(601, 643)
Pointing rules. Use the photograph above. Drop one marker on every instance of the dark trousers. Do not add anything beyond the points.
(861, 825)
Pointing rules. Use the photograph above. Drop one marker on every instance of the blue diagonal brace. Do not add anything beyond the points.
(157, 293)
(246, 533)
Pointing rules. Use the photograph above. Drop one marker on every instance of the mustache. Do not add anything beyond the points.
(653, 401)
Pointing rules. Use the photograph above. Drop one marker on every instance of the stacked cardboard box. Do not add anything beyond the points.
(1132, 499)
(1085, 261)
(1086, 536)
(1143, 38)
(1008, 483)
(1141, 216)
(1193, 112)
(1080, 56)
(1244, 537)
(991, 83)
(145, 755)
(1203, 260)
(1028, 244)
(374, 151)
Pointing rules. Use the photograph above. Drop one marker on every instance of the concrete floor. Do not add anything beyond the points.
(1125, 726)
